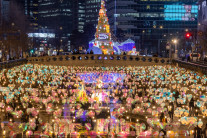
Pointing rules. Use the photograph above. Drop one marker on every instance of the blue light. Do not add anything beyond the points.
(127, 46)
(116, 50)
(181, 12)
(90, 44)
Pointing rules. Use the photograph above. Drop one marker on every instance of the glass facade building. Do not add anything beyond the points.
(4, 10)
(202, 15)
(202, 25)
(92, 8)
(79, 15)
(57, 15)
(153, 23)
(31, 11)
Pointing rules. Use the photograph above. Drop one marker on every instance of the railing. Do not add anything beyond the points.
(12, 63)
(191, 66)
(99, 60)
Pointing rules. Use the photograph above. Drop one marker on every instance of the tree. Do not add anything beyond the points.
(103, 34)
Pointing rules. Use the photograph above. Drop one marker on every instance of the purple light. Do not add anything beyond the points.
(111, 58)
(127, 46)
(90, 45)
(104, 77)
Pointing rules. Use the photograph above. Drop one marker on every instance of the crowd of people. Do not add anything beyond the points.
(53, 99)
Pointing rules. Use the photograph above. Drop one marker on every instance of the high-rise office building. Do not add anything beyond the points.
(79, 15)
(92, 8)
(202, 25)
(202, 15)
(57, 18)
(153, 23)
(4, 14)
(31, 11)
(56, 15)
(4, 10)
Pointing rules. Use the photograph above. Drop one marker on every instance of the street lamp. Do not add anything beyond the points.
(175, 41)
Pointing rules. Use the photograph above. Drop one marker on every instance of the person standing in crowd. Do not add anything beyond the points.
(197, 132)
(171, 110)
(191, 105)
(176, 95)
(163, 133)
(205, 131)
(163, 119)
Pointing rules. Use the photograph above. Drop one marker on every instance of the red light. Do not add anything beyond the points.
(188, 35)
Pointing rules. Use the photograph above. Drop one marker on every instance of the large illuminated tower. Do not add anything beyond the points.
(103, 35)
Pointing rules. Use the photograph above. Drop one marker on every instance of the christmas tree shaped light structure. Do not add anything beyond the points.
(103, 35)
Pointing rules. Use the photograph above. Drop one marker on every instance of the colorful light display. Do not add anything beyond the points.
(103, 35)
(103, 77)
(103, 39)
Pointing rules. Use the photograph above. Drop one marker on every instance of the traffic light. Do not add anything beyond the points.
(32, 51)
(188, 35)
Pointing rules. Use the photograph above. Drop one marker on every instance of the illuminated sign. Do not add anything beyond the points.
(181, 12)
(103, 36)
(42, 35)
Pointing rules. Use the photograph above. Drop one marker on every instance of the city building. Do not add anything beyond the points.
(59, 18)
(79, 14)
(202, 14)
(202, 25)
(92, 8)
(63, 17)
(4, 10)
(31, 11)
(152, 24)
(4, 16)
(56, 15)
